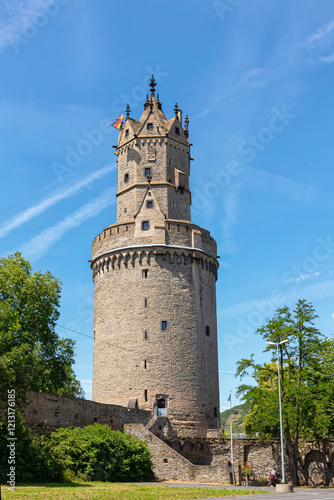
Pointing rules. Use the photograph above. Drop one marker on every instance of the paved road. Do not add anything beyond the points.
(299, 493)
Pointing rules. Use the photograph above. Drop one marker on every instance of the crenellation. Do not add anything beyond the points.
(177, 233)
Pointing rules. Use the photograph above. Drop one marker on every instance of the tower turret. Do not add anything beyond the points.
(155, 330)
(157, 147)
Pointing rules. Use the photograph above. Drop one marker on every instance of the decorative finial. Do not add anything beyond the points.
(186, 122)
(176, 109)
(152, 85)
(151, 103)
(127, 110)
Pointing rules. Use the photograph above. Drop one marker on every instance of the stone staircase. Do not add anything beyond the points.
(151, 422)
(168, 465)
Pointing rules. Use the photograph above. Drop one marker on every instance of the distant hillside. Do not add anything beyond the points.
(238, 414)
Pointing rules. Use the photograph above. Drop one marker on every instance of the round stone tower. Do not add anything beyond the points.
(155, 272)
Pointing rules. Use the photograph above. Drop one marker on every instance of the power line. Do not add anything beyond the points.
(90, 337)
(74, 331)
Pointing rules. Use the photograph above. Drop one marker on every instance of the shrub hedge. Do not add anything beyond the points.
(93, 453)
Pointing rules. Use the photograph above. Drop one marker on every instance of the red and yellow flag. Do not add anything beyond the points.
(118, 123)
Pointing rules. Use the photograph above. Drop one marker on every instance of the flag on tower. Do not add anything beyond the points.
(118, 123)
(228, 399)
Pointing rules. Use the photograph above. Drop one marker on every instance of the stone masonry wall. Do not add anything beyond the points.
(169, 169)
(168, 465)
(50, 412)
(316, 458)
(177, 233)
(180, 362)
(183, 459)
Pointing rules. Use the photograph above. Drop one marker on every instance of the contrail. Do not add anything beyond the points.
(34, 211)
(39, 245)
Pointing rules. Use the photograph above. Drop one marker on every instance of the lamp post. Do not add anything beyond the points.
(280, 405)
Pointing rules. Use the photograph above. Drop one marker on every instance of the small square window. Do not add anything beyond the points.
(125, 210)
(145, 225)
(177, 131)
(149, 204)
(147, 171)
(126, 177)
(144, 273)
(163, 325)
(127, 133)
(150, 126)
(207, 331)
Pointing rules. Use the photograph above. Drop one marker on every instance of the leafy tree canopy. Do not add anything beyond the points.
(32, 356)
(307, 370)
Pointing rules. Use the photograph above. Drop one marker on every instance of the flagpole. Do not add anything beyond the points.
(231, 429)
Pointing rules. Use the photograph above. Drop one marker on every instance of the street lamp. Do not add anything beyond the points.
(280, 405)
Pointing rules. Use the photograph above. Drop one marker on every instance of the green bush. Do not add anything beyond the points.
(97, 453)
(93, 453)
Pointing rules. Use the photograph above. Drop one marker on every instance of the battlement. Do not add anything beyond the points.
(176, 232)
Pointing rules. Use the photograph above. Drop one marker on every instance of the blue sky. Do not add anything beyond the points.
(257, 79)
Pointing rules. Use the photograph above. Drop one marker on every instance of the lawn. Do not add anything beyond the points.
(115, 491)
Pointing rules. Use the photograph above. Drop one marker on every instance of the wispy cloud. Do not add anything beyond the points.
(320, 34)
(305, 195)
(230, 205)
(15, 15)
(35, 210)
(256, 77)
(304, 277)
(320, 44)
(320, 290)
(201, 114)
(39, 245)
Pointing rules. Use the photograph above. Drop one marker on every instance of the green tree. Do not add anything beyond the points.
(307, 370)
(32, 356)
(34, 459)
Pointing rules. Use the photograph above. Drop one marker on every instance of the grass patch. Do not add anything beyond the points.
(116, 491)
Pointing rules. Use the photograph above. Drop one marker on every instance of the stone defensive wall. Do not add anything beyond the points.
(176, 458)
(316, 466)
(47, 412)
